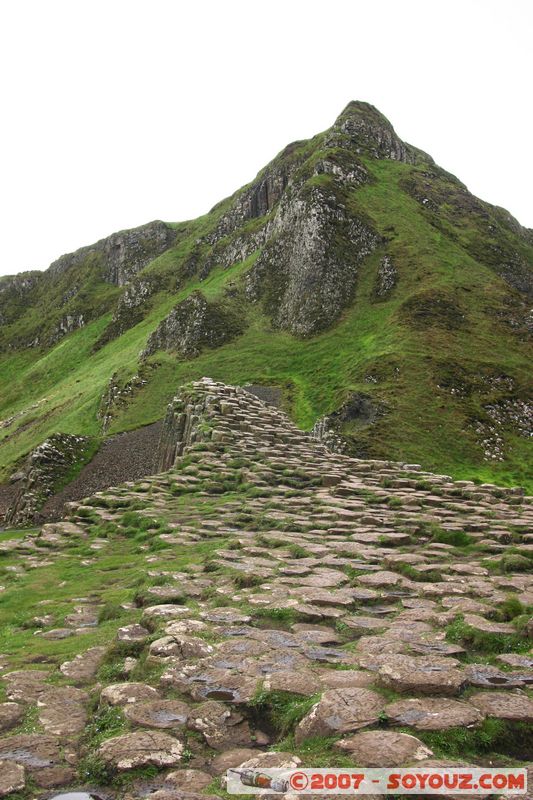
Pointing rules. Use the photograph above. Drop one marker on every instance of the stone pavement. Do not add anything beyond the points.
(363, 602)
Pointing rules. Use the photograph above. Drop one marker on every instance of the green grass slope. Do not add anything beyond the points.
(444, 354)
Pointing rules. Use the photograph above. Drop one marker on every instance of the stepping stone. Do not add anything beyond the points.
(212, 684)
(57, 633)
(10, 715)
(340, 711)
(31, 750)
(302, 682)
(504, 705)
(188, 780)
(422, 675)
(158, 714)
(360, 625)
(132, 633)
(121, 694)
(433, 713)
(62, 710)
(381, 578)
(230, 758)
(492, 677)
(485, 626)
(223, 615)
(272, 760)
(12, 778)
(383, 748)
(180, 648)
(83, 668)
(516, 660)
(220, 726)
(25, 685)
(141, 749)
(185, 627)
(164, 612)
(346, 679)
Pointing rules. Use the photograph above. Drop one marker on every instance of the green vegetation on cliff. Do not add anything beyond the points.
(355, 266)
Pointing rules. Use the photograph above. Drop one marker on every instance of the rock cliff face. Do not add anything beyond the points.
(123, 254)
(306, 273)
(42, 474)
(40, 308)
(193, 324)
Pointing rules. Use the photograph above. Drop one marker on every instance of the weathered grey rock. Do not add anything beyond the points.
(504, 705)
(384, 748)
(83, 667)
(306, 273)
(10, 715)
(12, 778)
(62, 710)
(45, 466)
(221, 727)
(158, 713)
(141, 749)
(423, 675)
(340, 711)
(433, 713)
(25, 685)
(121, 694)
(188, 780)
(193, 324)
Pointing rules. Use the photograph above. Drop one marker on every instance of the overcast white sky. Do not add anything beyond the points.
(116, 112)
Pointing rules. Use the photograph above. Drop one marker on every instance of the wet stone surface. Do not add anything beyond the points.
(284, 593)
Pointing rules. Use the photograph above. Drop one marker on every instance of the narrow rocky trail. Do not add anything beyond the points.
(288, 605)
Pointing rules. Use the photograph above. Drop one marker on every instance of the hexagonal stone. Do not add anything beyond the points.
(180, 648)
(384, 748)
(303, 682)
(346, 679)
(230, 758)
(493, 678)
(421, 674)
(489, 626)
(32, 750)
(158, 714)
(83, 668)
(62, 710)
(519, 660)
(433, 713)
(141, 749)
(504, 705)
(223, 615)
(132, 633)
(166, 611)
(185, 627)
(188, 780)
(12, 778)
(10, 715)
(25, 685)
(121, 694)
(220, 725)
(340, 711)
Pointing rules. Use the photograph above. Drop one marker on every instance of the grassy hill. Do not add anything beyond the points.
(351, 267)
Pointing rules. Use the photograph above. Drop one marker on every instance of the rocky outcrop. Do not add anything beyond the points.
(123, 254)
(371, 132)
(306, 274)
(386, 278)
(131, 308)
(360, 410)
(193, 324)
(45, 469)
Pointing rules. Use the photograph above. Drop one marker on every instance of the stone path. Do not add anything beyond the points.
(369, 603)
